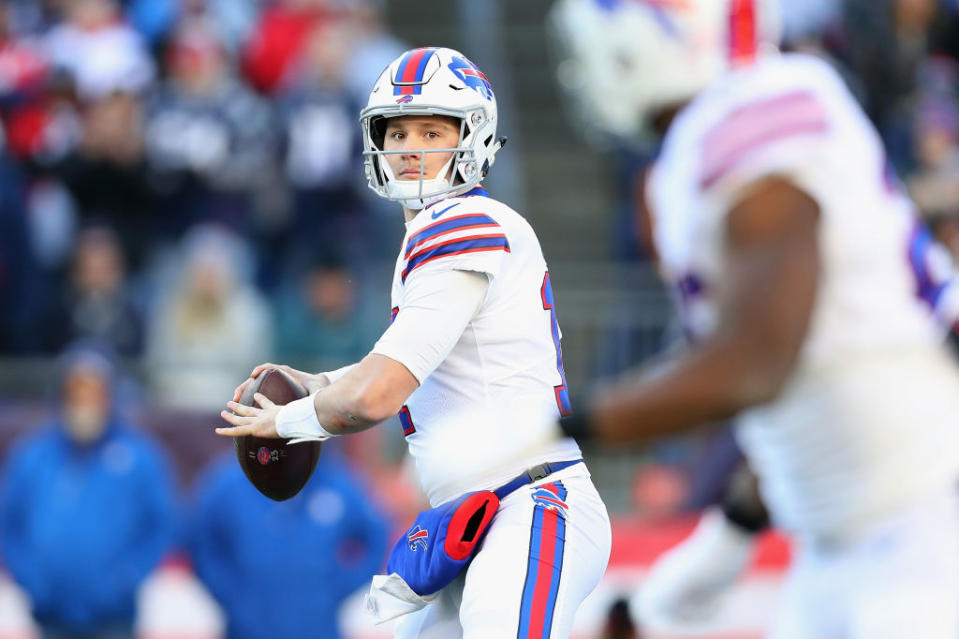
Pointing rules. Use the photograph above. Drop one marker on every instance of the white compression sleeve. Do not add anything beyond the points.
(437, 307)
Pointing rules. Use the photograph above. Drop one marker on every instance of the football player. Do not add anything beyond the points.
(685, 584)
(471, 363)
(777, 221)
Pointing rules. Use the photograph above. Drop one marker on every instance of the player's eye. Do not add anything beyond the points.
(396, 135)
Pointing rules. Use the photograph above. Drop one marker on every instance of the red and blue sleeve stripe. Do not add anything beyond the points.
(409, 74)
(458, 223)
(544, 567)
(460, 246)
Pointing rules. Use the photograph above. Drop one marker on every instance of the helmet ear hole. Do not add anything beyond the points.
(378, 131)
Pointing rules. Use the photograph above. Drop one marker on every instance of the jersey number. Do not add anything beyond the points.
(562, 392)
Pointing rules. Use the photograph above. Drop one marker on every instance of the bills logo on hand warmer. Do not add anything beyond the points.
(417, 537)
(442, 542)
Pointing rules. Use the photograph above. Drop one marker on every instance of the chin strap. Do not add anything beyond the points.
(499, 144)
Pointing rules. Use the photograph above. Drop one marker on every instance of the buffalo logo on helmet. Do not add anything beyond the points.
(417, 538)
(471, 76)
(404, 99)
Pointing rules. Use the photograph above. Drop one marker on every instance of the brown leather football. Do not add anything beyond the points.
(277, 469)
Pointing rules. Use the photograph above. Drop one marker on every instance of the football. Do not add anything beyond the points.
(278, 470)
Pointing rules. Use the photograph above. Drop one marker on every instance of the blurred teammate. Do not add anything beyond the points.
(788, 242)
(686, 584)
(471, 362)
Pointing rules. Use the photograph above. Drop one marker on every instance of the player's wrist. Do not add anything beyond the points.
(297, 421)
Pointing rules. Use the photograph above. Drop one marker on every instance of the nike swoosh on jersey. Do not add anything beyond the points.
(436, 215)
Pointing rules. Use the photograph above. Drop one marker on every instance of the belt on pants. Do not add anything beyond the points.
(534, 474)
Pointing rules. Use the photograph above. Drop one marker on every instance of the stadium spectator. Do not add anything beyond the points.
(19, 285)
(210, 325)
(885, 47)
(107, 173)
(324, 543)
(322, 320)
(86, 510)
(152, 18)
(321, 148)
(101, 52)
(934, 185)
(279, 38)
(23, 76)
(208, 137)
(96, 300)
(233, 20)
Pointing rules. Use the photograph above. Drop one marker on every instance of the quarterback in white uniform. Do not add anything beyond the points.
(471, 363)
(788, 242)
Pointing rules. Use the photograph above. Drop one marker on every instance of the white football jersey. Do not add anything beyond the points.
(489, 410)
(868, 420)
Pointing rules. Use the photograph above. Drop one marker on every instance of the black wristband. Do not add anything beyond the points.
(752, 518)
(575, 425)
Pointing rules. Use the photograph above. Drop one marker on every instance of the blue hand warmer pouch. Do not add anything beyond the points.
(442, 541)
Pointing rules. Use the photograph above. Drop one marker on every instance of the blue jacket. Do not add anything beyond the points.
(81, 527)
(282, 569)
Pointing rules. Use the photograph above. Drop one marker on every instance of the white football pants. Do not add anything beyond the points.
(546, 549)
(899, 579)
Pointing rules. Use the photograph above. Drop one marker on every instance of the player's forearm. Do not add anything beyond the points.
(342, 408)
(764, 311)
(367, 394)
(710, 383)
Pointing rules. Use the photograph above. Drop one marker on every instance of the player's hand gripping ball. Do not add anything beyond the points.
(277, 469)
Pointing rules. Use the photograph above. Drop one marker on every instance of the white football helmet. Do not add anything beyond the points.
(431, 81)
(624, 60)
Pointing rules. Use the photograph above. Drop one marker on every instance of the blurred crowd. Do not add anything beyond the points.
(181, 180)
(181, 197)
(89, 508)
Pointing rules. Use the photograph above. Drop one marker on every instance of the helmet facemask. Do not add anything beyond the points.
(458, 175)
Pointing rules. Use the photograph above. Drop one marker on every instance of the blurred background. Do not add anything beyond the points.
(182, 197)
